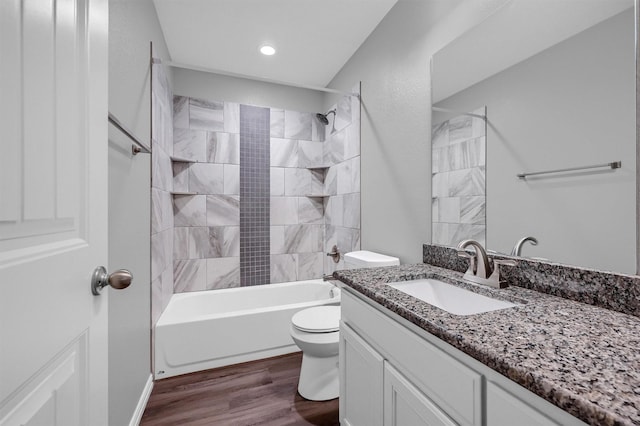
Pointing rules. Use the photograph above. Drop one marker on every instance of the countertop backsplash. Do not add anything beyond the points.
(618, 292)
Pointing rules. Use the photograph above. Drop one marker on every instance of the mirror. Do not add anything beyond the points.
(541, 85)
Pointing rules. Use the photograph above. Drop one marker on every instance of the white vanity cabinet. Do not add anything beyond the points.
(374, 393)
(419, 380)
(361, 381)
(505, 409)
(405, 405)
(396, 374)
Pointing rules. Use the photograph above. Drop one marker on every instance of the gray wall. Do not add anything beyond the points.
(132, 25)
(568, 106)
(203, 85)
(393, 66)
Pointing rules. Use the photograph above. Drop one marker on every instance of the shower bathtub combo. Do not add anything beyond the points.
(209, 329)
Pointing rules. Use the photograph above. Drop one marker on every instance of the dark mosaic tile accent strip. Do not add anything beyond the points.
(255, 196)
(618, 292)
(581, 358)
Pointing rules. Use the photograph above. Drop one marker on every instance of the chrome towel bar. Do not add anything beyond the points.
(613, 165)
(139, 145)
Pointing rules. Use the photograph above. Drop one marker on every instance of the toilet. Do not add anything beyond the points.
(316, 331)
(368, 259)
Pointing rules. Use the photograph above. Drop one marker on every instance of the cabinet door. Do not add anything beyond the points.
(505, 409)
(405, 405)
(452, 385)
(361, 379)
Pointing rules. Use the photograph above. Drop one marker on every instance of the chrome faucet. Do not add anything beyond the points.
(480, 269)
(517, 249)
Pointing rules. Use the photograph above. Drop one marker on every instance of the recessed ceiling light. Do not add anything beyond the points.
(267, 50)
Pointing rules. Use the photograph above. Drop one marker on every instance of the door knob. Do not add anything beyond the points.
(119, 279)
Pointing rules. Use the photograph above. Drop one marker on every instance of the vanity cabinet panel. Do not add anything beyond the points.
(426, 382)
(505, 409)
(405, 405)
(450, 384)
(361, 381)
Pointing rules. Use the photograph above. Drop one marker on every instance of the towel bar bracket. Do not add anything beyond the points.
(138, 146)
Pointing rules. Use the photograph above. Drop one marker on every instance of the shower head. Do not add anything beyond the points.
(323, 117)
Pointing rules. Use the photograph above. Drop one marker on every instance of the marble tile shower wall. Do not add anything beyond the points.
(342, 180)
(206, 234)
(458, 179)
(312, 183)
(161, 187)
(297, 220)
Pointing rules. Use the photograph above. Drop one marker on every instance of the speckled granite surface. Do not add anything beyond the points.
(619, 292)
(583, 358)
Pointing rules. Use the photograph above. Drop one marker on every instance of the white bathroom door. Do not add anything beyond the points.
(53, 211)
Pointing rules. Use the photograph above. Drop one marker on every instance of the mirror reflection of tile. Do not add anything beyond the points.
(458, 179)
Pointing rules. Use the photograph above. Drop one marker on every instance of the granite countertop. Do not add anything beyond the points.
(584, 359)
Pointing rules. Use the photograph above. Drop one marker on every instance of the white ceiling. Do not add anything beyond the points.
(313, 38)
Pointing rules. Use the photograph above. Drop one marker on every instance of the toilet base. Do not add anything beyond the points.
(319, 378)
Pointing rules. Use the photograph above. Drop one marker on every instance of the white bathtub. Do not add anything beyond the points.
(209, 329)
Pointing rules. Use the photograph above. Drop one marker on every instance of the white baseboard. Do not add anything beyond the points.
(142, 403)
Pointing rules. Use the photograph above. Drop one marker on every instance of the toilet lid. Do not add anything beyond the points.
(321, 319)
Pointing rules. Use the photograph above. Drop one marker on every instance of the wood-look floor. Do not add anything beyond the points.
(261, 392)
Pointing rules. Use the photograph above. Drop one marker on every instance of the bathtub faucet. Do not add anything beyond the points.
(334, 254)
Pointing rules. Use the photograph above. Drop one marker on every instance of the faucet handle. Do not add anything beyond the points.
(506, 262)
(495, 276)
(472, 261)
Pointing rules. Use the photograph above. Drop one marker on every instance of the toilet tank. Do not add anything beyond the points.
(368, 259)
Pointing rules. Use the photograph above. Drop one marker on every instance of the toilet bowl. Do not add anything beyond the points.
(316, 332)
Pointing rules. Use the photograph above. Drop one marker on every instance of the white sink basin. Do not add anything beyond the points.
(450, 298)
